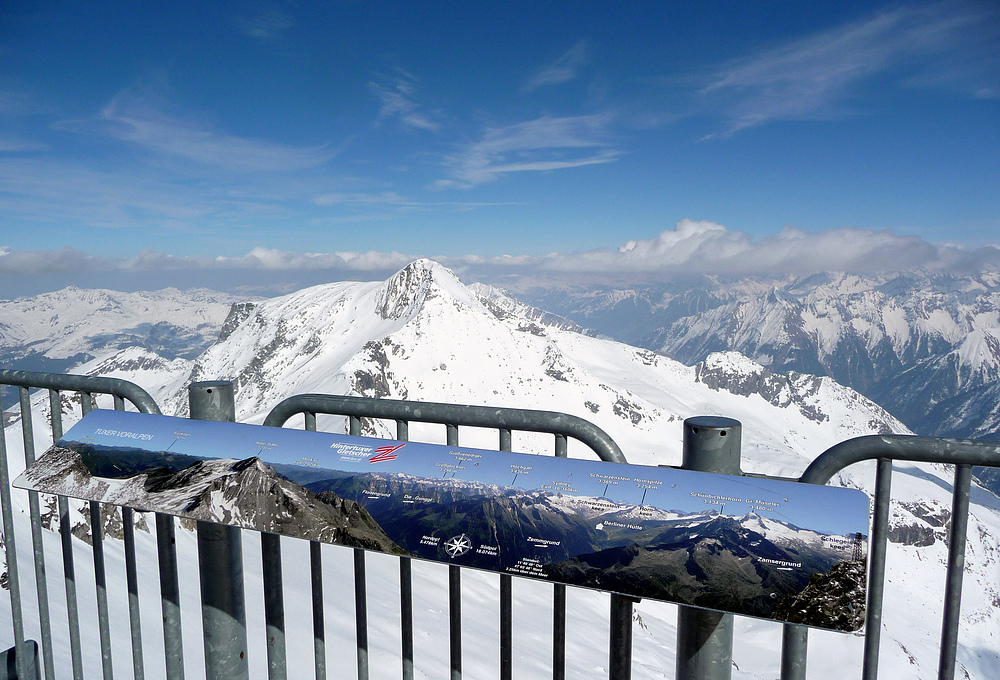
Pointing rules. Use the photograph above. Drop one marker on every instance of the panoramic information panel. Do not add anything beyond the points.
(766, 548)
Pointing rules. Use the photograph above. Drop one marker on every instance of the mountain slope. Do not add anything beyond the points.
(928, 349)
(63, 329)
(423, 335)
(924, 346)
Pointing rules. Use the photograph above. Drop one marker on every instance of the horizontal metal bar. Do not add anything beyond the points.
(455, 414)
(900, 447)
(82, 383)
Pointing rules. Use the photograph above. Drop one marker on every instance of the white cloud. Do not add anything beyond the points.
(936, 45)
(132, 119)
(562, 70)
(708, 248)
(399, 102)
(26, 262)
(691, 247)
(546, 143)
(265, 258)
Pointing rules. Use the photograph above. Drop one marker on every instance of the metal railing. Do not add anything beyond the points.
(86, 388)
(702, 640)
(963, 454)
(505, 421)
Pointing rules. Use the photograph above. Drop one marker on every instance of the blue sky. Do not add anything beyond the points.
(355, 136)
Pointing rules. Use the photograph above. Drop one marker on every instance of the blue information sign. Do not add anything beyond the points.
(765, 548)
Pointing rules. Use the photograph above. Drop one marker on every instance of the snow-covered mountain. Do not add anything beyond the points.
(423, 335)
(926, 347)
(56, 331)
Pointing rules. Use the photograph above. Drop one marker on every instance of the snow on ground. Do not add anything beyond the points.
(432, 340)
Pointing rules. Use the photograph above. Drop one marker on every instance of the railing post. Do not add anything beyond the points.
(620, 654)
(220, 559)
(705, 638)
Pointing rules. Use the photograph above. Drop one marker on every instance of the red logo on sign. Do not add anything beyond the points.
(384, 453)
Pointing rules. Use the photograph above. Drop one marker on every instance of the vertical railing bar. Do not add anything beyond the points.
(316, 580)
(66, 540)
(455, 620)
(562, 448)
(454, 592)
(166, 553)
(406, 615)
(506, 597)
(956, 567)
(166, 557)
(100, 582)
(100, 578)
(405, 587)
(505, 439)
(506, 627)
(319, 625)
(559, 598)
(10, 548)
(220, 557)
(794, 649)
(361, 612)
(274, 601)
(360, 594)
(41, 584)
(559, 632)
(86, 402)
(620, 664)
(876, 568)
(274, 605)
(132, 580)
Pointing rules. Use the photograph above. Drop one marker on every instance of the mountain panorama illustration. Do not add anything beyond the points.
(764, 548)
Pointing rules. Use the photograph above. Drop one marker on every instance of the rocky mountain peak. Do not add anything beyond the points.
(406, 290)
(254, 464)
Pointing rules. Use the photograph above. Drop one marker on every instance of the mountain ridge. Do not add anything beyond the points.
(455, 348)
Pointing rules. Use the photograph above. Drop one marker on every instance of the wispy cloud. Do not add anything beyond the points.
(18, 144)
(815, 77)
(562, 70)
(265, 22)
(391, 198)
(133, 119)
(546, 143)
(398, 97)
(14, 103)
(53, 191)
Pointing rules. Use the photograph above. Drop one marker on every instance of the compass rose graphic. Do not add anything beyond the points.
(456, 546)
